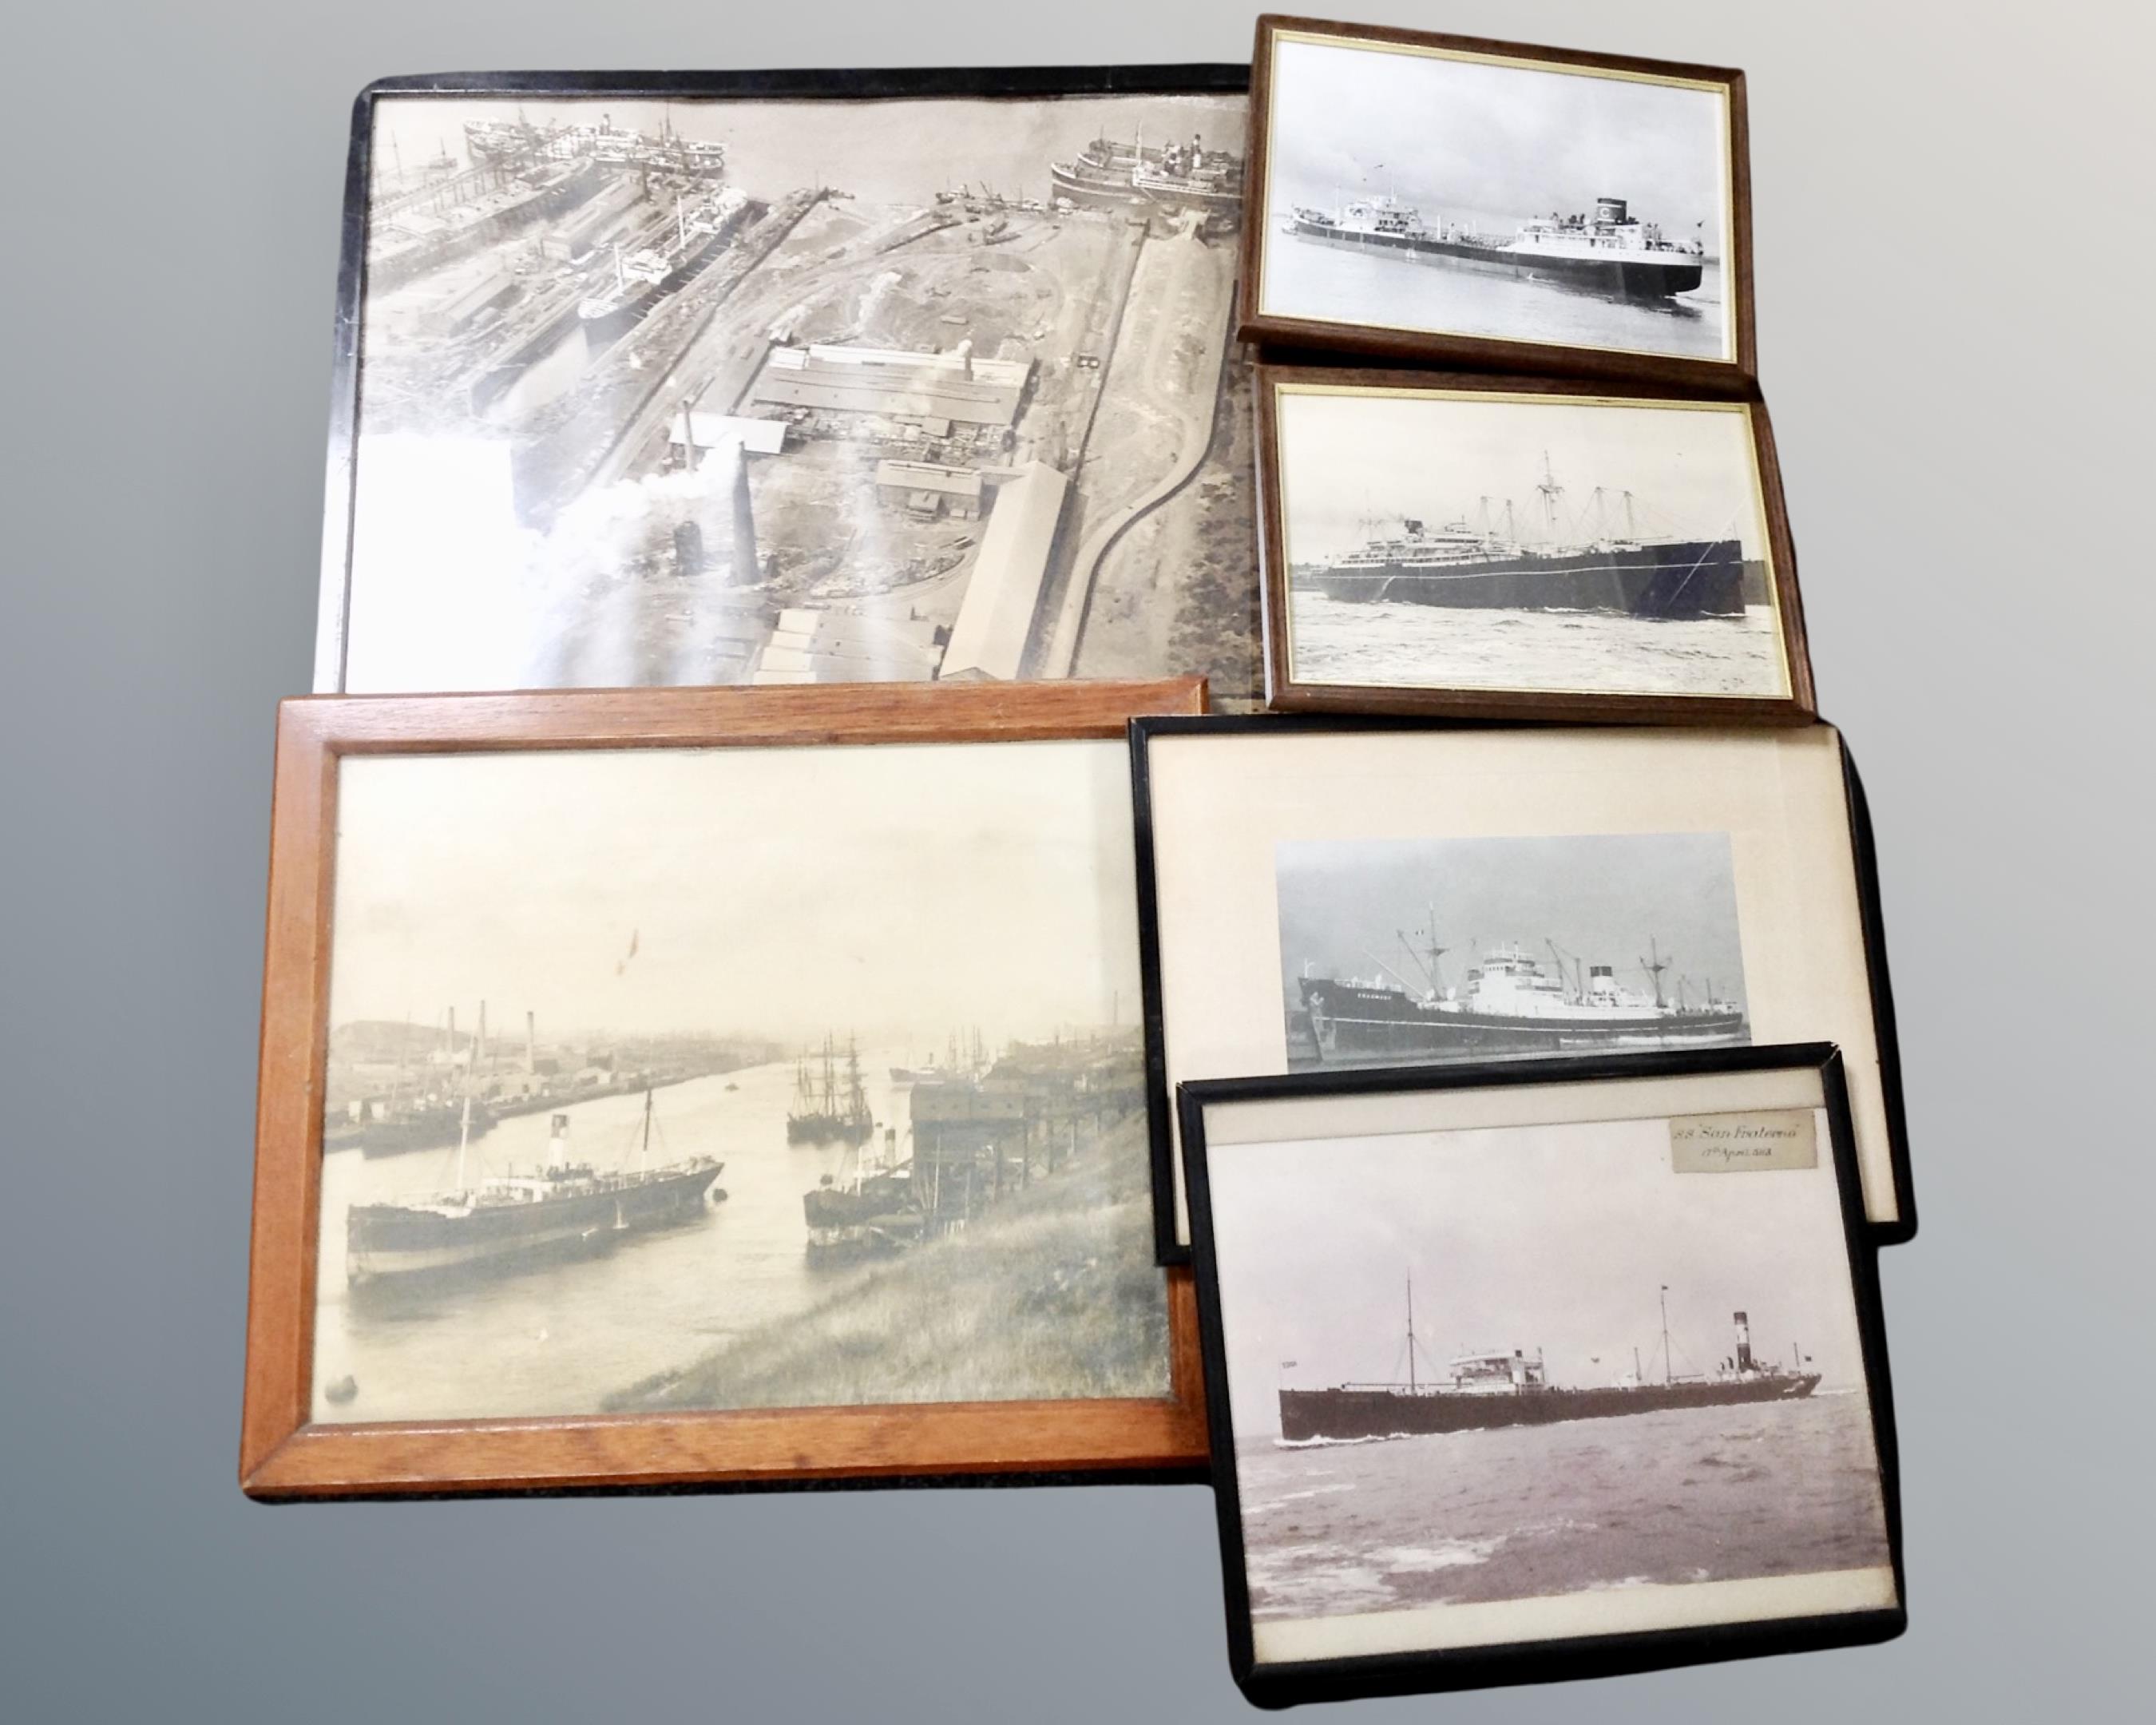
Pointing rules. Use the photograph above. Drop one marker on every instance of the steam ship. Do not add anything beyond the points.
(1610, 252)
(642, 277)
(1511, 1005)
(871, 1215)
(1478, 1391)
(823, 1111)
(506, 1223)
(1108, 174)
(1488, 567)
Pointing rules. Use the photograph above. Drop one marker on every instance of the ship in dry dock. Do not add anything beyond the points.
(1476, 1391)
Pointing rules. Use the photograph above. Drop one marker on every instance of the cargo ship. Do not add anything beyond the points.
(642, 277)
(1610, 252)
(825, 1111)
(1510, 1005)
(1486, 566)
(1479, 1391)
(1108, 174)
(425, 1123)
(507, 1223)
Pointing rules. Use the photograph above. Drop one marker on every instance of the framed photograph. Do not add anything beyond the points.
(1516, 547)
(1508, 208)
(769, 378)
(1517, 1374)
(725, 1086)
(1334, 892)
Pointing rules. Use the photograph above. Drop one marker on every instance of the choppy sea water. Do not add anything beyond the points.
(1312, 278)
(1687, 1495)
(1437, 646)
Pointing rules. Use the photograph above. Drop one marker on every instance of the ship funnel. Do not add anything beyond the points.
(1744, 1343)
(557, 1142)
(1610, 209)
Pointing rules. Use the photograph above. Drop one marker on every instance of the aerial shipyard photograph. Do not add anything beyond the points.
(779, 391)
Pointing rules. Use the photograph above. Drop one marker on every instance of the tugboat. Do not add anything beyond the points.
(505, 1224)
(1477, 1391)
(823, 1112)
(1611, 252)
(1511, 1006)
(871, 1216)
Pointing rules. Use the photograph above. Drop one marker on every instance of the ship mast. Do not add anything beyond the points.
(1411, 1376)
(1654, 964)
(1550, 492)
(1668, 1371)
(643, 1144)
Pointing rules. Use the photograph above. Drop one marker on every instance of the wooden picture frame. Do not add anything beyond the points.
(1441, 1620)
(467, 523)
(1557, 350)
(1765, 583)
(286, 1453)
(1793, 874)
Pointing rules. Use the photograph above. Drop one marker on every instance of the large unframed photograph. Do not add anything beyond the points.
(1540, 1381)
(1477, 540)
(1403, 950)
(1418, 188)
(712, 391)
(677, 1079)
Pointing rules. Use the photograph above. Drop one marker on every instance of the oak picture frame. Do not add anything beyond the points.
(1730, 375)
(1286, 692)
(283, 1455)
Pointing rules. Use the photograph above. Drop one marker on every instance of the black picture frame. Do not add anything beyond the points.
(785, 84)
(1288, 1684)
(1170, 1247)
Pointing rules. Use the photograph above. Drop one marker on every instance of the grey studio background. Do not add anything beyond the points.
(1957, 372)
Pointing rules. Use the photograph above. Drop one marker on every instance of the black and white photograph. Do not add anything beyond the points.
(1412, 186)
(1542, 1379)
(712, 391)
(1475, 540)
(1401, 952)
(674, 1079)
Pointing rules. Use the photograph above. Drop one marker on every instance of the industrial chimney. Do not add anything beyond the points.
(530, 1042)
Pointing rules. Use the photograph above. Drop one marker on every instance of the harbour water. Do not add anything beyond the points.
(560, 1338)
(1687, 1495)
(1313, 278)
(1424, 646)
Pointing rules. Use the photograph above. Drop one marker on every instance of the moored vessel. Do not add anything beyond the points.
(825, 1111)
(1109, 174)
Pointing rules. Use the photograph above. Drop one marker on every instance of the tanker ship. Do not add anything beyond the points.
(1478, 1391)
(1610, 252)
(1671, 578)
(1110, 175)
(1511, 1005)
(506, 1223)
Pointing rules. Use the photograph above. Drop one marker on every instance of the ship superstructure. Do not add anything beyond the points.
(1603, 563)
(636, 280)
(1509, 1005)
(1479, 1389)
(1110, 174)
(1610, 251)
(510, 1221)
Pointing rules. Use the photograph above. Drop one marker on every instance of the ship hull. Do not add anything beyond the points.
(1349, 1022)
(1624, 274)
(1350, 1412)
(394, 1137)
(826, 1129)
(387, 1242)
(1113, 193)
(1688, 579)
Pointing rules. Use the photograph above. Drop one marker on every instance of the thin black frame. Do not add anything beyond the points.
(1290, 1684)
(872, 83)
(1167, 1248)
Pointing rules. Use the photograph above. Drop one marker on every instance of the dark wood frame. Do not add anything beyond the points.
(1284, 693)
(1728, 375)
(284, 1455)
(878, 84)
(1172, 1249)
(1285, 1684)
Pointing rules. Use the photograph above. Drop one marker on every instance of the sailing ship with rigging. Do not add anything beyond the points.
(824, 1110)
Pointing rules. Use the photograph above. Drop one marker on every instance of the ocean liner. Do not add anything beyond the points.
(1607, 570)
(1107, 174)
(1610, 252)
(1477, 1391)
(506, 1223)
(1511, 1005)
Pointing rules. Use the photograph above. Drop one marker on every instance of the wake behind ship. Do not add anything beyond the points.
(1480, 1391)
(1511, 1006)
(1612, 252)
(511, 1221)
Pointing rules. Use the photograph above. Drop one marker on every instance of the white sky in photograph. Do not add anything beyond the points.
(1460, 139)
(1346, 459)
(1550, 1237)
(891, 890)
